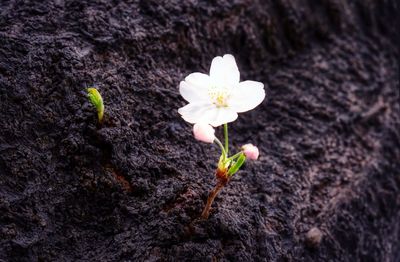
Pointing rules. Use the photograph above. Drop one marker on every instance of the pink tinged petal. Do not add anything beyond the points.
(195, 87)
(250, 151)
(224, 71)
(246, 96)
(204, 132)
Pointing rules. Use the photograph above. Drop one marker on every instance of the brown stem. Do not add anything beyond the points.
(206, 212)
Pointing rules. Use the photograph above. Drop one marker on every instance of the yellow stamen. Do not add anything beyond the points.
(219, 96)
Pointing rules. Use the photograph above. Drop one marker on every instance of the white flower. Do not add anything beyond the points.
(204, 132)
(217, 98)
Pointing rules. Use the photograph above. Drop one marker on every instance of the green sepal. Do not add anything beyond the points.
(96, 100)
(236, 166)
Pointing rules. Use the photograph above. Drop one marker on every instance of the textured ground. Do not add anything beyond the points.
(131, 190)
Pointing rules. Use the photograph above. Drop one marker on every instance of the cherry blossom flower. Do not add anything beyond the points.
(250, 151)
(217, 98)
(204, 132)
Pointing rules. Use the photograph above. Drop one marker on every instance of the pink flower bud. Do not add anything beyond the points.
(250, 151)
(204, 132)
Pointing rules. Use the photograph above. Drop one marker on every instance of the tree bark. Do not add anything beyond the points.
(325, 188)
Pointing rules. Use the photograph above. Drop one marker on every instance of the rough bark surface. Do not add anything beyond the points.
(327, 184)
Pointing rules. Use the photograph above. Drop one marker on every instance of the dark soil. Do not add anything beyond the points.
(327, 184)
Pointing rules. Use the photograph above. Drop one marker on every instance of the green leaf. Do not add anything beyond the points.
(236, 165)
(96, 100)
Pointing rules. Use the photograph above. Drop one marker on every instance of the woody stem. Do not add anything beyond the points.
(211, 197)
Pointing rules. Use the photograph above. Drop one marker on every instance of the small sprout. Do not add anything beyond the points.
(216, 100)
(96, 99)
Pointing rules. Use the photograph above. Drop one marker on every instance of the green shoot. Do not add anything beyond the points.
(96, 100)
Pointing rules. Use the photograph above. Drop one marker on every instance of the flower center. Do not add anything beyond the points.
(219, 96)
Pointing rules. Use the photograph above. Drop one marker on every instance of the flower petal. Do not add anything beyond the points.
(219, 115)
(194, 112)
(195, 87)
(207, 113)
(246, 96)
(224, 71)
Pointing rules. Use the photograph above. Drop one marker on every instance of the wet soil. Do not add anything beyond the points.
(327, 184)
